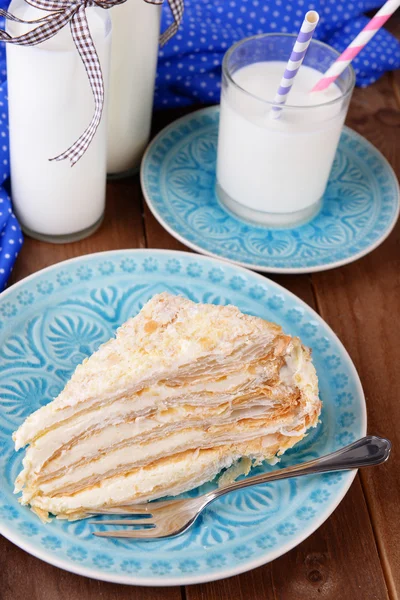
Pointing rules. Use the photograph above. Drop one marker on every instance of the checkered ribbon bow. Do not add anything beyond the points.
(62, 12)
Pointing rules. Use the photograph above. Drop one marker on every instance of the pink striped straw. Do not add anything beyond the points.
(357, 45)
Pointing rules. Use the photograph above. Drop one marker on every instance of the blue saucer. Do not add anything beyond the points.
(360, 206)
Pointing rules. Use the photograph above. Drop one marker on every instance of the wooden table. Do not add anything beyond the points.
(356, 553)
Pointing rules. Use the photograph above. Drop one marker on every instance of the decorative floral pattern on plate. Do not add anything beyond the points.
(75, 307)
(360, 207)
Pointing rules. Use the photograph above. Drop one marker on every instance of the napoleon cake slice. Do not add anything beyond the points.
(183, 391)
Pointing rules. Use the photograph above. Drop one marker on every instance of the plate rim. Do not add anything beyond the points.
(221, 572)
(255, 267)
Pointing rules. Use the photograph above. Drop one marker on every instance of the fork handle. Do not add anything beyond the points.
(365, 452)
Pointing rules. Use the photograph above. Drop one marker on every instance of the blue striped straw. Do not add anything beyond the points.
(296, 58)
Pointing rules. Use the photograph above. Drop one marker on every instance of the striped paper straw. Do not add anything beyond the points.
(296, 58)
(357, 45)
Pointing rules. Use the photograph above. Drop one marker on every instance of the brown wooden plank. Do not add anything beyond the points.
(393, 25)
(395, 78)
(335, 562)
(361, 303)
(338, 559)
(22, 576)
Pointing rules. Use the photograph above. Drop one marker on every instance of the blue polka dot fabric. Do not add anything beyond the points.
(10, 232)
(190, 64)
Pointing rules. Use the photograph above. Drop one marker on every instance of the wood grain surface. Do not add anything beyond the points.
(356, 553)
(361, 302)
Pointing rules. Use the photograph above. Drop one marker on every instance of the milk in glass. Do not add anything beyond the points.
(275, 171)
(136, 28)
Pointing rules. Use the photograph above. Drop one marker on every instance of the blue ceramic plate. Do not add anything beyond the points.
(360, 208)
(53, 319)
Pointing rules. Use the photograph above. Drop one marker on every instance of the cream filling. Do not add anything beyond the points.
(144, 427)
(89, 392)
(298, 371)
(170, 478)
(295, 370)
(224, 391)
(193, 471)
(135, 455)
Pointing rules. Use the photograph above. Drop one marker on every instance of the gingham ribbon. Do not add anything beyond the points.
(73, 12)
(176, 7)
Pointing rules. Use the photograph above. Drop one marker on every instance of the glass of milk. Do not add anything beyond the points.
(50, 105)
(275, 171)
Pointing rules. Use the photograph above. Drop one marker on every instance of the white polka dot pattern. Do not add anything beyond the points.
(11, 238)
(190, 67)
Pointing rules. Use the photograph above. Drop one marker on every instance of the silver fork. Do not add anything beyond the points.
(172, 517)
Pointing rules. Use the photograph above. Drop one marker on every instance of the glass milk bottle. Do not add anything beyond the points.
(50, 105)
(136, 29)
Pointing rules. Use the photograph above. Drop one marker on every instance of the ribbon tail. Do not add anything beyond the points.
(50, 5)
(10, 17)
(176, 7)
(49, 27)
(87, 51)
(106, 4)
